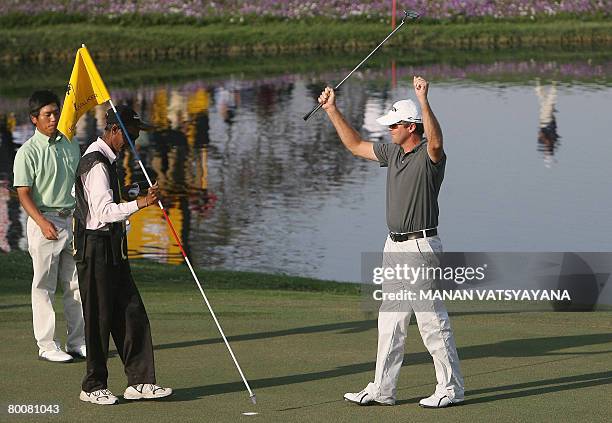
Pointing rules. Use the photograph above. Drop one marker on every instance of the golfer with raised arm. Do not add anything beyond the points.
(415, 170)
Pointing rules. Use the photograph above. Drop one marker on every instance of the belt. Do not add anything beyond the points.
(395, 237)
(60, 213)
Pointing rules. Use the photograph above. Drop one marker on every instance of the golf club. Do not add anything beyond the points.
(407, 14)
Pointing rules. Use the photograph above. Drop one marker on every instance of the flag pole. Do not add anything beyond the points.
(180, 245)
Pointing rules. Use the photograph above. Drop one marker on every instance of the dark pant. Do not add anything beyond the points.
(112, 305)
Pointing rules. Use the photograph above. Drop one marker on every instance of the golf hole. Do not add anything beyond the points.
(250, 413)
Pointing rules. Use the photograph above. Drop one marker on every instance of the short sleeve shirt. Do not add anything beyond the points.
(413, 185)
(48, 168)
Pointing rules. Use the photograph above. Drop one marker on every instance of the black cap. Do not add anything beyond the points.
(128, 116)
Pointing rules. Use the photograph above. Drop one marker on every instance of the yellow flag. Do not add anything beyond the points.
(85, 90)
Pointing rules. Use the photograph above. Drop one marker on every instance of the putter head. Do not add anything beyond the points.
(253, 399)
(410, 14)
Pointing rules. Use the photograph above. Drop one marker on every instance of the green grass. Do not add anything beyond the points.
(301, 349)
(58, 43)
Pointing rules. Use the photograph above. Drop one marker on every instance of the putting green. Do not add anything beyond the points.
(302, 350)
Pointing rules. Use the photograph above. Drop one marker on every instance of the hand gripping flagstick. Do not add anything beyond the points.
(408, 14)
(176, 238)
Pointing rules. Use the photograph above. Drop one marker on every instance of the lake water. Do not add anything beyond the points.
(250, 185)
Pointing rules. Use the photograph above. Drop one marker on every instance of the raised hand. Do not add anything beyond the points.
(421, 87)
(327, 99)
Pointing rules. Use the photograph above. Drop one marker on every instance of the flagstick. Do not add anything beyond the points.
(195, 277)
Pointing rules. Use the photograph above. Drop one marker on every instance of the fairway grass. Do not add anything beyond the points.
(301, 349)
(47, 44)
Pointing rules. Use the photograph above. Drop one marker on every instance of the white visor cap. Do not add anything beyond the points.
(402, 111)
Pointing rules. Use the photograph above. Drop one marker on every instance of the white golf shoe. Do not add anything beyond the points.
(55, 356)
(438, 401)
(146, 391)
(365, 398)
(100, 397)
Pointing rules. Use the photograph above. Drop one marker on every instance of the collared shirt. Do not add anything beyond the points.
(413, 185)
(99, 195)
(47, 166)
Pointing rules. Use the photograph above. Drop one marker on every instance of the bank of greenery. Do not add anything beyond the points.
(47, 42)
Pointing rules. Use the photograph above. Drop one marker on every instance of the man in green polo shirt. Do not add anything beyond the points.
(415, 170)
(44, 171)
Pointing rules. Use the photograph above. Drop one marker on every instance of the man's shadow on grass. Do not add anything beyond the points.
(539, 387)
(344, 328)
(530, 347)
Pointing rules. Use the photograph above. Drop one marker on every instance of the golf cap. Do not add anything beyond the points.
(128, 116)
(402, 111)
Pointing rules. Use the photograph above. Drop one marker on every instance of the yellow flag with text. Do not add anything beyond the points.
(85, 90)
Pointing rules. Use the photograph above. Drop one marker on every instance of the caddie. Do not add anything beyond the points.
(111, 302)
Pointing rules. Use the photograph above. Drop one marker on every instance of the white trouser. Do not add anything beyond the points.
(52, 261)
(432, 320)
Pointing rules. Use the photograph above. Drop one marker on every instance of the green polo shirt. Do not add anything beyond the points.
(48, 167)
(413, 185)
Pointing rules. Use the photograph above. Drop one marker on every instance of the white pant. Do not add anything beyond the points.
(52, 261)
(432, 320)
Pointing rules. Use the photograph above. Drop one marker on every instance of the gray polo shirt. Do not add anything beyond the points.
(413, 184)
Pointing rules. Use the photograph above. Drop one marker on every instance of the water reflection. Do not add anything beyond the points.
(249, 185)
(548, 138)
(11, 227)
(176, 153)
